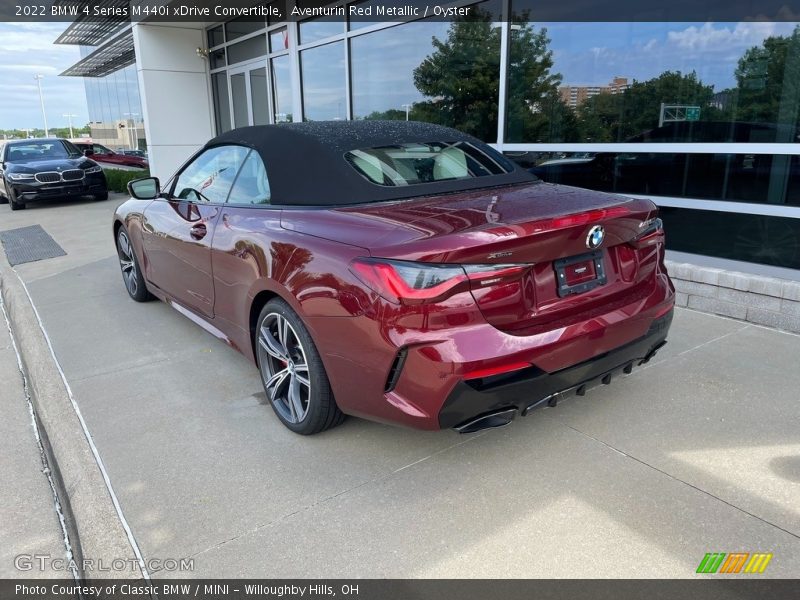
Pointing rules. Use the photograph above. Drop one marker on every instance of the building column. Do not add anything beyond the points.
(175, 92)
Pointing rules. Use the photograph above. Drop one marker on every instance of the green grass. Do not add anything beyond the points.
(118, 179)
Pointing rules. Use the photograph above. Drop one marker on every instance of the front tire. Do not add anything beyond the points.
(292, 372)
(129, 265)
(14, 204)
(101, 197)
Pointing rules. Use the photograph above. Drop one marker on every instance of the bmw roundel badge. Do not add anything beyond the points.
(596, 236)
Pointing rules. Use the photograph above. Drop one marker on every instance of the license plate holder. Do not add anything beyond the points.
(569, 273)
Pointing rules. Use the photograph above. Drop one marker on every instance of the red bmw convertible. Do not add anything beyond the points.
(397, 271)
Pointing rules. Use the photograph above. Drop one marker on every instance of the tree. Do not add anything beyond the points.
(535, 111)
(600, 118)
(62, 132)
(462, 78)
(768, 82)
(392, 114)
(617, 117)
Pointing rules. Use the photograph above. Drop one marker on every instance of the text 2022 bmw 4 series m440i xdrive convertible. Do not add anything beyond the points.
(401, 272)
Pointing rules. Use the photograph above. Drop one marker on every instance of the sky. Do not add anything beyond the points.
(25, 50)
(593, 53)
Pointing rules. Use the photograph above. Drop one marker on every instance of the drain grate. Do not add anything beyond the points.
(29, 244)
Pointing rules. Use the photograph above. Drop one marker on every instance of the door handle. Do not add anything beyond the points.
(198, 232)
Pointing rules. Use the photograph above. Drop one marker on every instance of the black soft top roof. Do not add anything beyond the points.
(306, 165)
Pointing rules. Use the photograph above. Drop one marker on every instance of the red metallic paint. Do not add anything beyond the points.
(303, 256)
(108, 156)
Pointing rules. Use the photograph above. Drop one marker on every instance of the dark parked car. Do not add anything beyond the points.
(32, 170)
(105, 155)
(401, 272)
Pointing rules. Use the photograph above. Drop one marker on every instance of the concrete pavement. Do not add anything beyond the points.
(697, 452)
(30, 523)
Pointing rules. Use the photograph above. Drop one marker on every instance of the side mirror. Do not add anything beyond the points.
(88, 152)
(147, 188)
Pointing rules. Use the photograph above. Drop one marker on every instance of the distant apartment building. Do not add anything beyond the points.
(575, 95)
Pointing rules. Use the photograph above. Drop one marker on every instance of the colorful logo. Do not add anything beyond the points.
(734, 562)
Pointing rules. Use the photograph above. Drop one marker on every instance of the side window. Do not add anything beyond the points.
(252, 185)
(209, 177)
(98, 149)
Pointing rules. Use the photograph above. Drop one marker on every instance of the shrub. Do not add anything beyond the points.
(118, 179)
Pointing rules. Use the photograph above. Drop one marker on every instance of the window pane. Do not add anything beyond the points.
(252, 185)
(258, 94)
(242, 26)
(408, 164)
(282, 89)
(451, 81)
(252, 48)
(239, 96)
(278, 40)
(381, 93)
(755, 238)
(653, 82)
(312, 30)
(323, 77)
(210, 176)
(215, 37)
(756, 178)
(222, 111)
(217, 58)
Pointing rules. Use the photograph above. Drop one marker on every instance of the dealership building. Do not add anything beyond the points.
(697, 116)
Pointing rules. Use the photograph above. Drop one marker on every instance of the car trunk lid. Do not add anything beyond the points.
(542, 226)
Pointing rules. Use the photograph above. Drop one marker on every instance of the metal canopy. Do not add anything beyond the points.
(88, 33)
(112, 56)
(87, 30)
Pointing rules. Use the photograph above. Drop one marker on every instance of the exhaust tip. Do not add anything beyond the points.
(491, 421)
(653, 351)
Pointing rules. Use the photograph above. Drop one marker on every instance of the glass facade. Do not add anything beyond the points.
(115, 108)
(112, 101)
(700, 117)
(323, 82)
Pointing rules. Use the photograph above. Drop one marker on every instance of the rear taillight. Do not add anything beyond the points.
(406, 282)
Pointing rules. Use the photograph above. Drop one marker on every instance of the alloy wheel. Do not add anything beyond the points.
(127, 263)
(284, 367)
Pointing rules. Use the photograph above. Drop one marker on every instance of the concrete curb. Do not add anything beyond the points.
(753, 298)
(93, 524)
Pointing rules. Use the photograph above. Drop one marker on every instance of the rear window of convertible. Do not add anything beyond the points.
(429, 162)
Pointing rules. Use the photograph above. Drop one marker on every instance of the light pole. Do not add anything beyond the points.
(69, 116)
(38, 79)
(408, 109)
(135, 132)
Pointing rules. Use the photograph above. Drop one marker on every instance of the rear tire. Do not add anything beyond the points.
(292, 372)
(129, 265)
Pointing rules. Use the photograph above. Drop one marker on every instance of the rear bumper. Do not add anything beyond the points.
(420, 370)
(530, 388)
